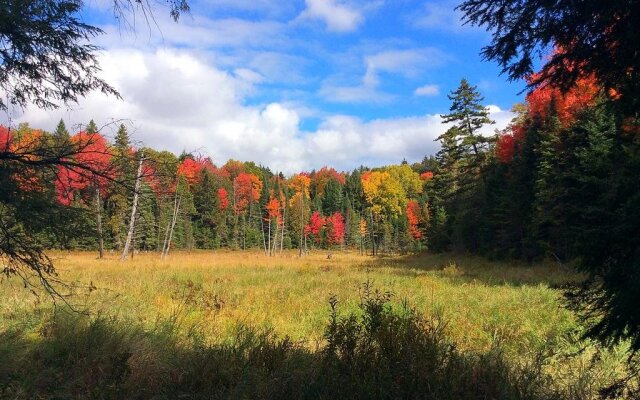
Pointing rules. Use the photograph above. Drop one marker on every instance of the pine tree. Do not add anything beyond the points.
(61, 133)
(332, 199)
(463, 158)
(550, 222)
(91, 128)
(468, 115)
(119, 202)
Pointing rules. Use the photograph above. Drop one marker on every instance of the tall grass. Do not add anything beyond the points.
(378, 352)
(241, 325)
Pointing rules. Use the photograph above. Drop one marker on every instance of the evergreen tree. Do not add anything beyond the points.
(463, 158)
(332, 199)
(61, 133)
(468, 115)
(119, 202)
(92, 128)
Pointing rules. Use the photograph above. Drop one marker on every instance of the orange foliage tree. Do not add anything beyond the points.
(246, 190)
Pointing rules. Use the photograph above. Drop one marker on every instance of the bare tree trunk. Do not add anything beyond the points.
(166, 232)
(264, 240)
(99, 218)
(174, 219)
(284, 214)
(269, 241)
(134, 209)
(301, 220)
(274, 246)
(372, 234)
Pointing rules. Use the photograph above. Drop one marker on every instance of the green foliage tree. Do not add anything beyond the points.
(468, 115)
(463, 159)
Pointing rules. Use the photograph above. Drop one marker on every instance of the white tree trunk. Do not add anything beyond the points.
(166, 231)
(284, 214)
(264, 240)
(174, 219)
(301, 220)
(99, 217)
(134, 209)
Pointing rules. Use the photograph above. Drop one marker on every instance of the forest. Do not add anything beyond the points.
(538, 189)
(505, 265)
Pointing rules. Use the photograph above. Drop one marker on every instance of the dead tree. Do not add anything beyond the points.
(171, 227)
(134, 209)
(99, 220)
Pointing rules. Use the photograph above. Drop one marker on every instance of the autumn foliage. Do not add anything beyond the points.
(565, 105)
(413, 217)
(223, 198)
(335, 229)
(95, 154)
(274, 210)
(191, 169)
(315, 226)
(331, 228)
(247, 188)
(426, 176)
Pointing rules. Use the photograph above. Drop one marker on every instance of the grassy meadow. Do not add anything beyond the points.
(478, 307)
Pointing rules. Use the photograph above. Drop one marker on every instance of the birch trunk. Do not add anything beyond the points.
(134, 209)
(174, 219)
(269, 241)
(284, 214)
(166, 232)
(264, 240)
(99, 218)
(301, 220)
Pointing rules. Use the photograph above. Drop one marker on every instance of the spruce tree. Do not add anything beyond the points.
(61, 133)
(91, 128)
(468, 115)
(463, 158)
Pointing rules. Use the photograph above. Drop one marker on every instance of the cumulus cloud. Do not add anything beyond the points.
(427, 90)
(178, 101)
(338, 16)
(409, 63)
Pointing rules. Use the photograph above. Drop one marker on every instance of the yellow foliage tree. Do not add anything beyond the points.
(408, 179)
(384, 194)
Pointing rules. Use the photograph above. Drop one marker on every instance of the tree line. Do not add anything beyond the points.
(144, 199)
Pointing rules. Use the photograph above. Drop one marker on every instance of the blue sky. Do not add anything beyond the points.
(290, 84)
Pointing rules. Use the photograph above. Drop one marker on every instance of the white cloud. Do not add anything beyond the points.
(441, 15)
(177, 101)
(427, 90)
(199, 32)
(406, 62)
(338, 16)
(354, 94)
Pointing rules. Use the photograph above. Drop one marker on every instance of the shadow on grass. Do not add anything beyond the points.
(376, 353)
(467, 269)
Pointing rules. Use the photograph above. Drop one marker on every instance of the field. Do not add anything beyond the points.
(480, 306)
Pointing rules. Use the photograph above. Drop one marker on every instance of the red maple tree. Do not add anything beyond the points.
(274, 210)
(95, 157)
(426, 176)
(320, 178)
(413, 216)
(566, 105)
(315, 227)
(246, 188)
(223, 198)
(335, 229)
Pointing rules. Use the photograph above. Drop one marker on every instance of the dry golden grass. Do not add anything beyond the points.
(486, 305)
(483, 302)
